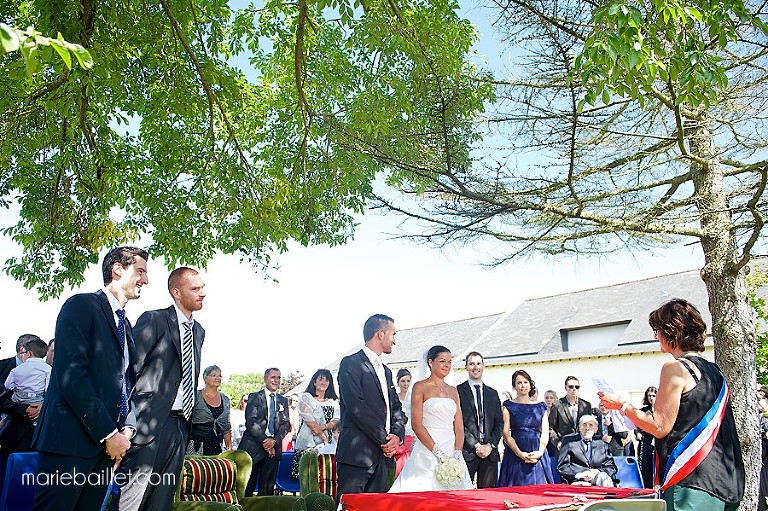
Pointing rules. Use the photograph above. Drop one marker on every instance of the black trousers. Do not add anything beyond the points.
(263, 472)
(69, 483)
(354, 479)
(150, 473)
(486, 470)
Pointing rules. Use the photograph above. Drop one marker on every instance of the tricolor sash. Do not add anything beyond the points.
(695, 445)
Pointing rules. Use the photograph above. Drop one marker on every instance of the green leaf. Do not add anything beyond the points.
(63, 52)
(83, 57)
(9, 41)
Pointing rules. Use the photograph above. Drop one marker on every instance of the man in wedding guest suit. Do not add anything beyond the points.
(585, 459)
(168, 345)
(266, 423)
(372, 426)
(481, 411)
(81, 429)
(565, 413)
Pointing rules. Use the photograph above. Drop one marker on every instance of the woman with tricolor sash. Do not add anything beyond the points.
(698, 456)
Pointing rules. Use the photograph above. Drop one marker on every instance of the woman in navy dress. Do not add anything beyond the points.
(526, 434)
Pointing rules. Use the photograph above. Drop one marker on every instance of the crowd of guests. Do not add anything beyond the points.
(148, 418)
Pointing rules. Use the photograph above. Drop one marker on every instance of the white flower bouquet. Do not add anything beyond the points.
(448, 472)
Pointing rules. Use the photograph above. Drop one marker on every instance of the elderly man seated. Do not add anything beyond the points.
(583, 460)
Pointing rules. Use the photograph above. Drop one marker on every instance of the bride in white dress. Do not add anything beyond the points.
(438, 426)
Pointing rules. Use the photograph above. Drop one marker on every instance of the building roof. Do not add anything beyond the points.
(535, 327)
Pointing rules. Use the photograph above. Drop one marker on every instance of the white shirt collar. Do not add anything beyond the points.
(475, 382)
(35, 360)
(372, 356)
(113, 303)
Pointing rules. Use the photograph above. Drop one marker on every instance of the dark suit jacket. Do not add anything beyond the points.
(363, 413)
(572, 458)
(158, 369)
(6, 366)
(493, 420)
(82, 405)
(256, 425)
(561, 422)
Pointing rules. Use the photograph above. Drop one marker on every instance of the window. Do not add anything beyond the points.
(593, 338)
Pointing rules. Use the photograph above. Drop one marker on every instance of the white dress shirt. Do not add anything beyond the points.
(378, 365)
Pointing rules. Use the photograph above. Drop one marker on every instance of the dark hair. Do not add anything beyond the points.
(569, 378)
(267, 371)
(524, 374)
(176, 275)
(122, 256)
(434, 351)
(681, 324)
(36, 347)
(243, 401)
(24, 339)
(374, 324)
(400, 373)
(330, 392)
(646, 402)
(473, 354)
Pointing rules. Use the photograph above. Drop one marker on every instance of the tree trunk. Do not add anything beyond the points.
(733, 323)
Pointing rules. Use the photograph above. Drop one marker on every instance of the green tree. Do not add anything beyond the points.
(647, 122)
(239, 384)
(166, 136)
(290, 381)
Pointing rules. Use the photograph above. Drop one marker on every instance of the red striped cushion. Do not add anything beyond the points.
(327, 477)
(209, 479)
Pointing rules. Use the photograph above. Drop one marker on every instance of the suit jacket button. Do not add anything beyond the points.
(120, 377)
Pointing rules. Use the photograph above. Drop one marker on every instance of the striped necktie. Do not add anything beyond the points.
(186, 371)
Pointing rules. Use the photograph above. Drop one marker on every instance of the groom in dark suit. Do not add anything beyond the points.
(481, 412)
(162, 419)
(372, 426)
(81, 429)
(266, 423)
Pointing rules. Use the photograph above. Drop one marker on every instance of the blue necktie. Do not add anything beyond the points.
(121, 336)
(271, 419)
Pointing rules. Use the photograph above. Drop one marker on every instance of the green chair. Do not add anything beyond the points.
(217, 483)
(317, 475)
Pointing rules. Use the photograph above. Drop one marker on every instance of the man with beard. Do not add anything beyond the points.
(168, 344)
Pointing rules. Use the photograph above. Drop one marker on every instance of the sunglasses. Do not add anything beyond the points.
(574, 386)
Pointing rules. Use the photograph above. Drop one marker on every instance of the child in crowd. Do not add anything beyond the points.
(29, 380)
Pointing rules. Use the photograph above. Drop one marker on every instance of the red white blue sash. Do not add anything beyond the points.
(695, 445)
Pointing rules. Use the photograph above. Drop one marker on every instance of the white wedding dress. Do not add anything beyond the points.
(419, 471)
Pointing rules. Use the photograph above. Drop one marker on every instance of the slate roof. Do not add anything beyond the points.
(533, 330)
(535, 326)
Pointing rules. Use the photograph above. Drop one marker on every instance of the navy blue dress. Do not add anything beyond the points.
(525, 422)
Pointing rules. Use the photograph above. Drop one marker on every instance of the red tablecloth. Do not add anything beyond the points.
(489, 499)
